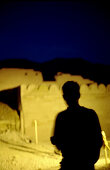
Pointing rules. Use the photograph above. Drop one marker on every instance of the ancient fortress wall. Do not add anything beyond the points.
(13, 77)
(95, 89)
(55, 89)
(30, 79)
(43, 102)
(61, 78)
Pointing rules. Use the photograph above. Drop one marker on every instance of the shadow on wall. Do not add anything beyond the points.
(10, 105)
(11, 97)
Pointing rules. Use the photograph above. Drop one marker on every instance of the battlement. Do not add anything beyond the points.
(42, 89)
(95, 89)
(32, 83)
(55, 89)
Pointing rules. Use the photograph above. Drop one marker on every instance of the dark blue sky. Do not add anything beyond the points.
(40, 31)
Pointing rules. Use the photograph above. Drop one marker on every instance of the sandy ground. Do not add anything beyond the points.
(16, 153)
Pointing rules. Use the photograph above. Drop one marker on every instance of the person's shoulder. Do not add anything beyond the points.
(86, 109)
(89, 112)
(61, 114)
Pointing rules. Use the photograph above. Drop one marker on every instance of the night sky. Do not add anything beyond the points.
(41, 31)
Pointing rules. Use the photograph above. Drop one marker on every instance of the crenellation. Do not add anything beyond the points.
(108, 88)
(55, 89)
(84, 89)
(102, 89)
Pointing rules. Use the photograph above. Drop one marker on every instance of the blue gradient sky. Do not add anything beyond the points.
(41, 31)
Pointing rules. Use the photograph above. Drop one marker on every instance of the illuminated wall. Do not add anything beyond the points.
(97, 97)
(44, 102)
(41, 103)
(61, 78)
(13, 77)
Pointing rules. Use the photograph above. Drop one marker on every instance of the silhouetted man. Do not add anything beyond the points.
(77, 132)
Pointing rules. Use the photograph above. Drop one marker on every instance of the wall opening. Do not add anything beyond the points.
(10, 101)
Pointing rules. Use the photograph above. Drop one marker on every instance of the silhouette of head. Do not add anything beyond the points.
(71, 92)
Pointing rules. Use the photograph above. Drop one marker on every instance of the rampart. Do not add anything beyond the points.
(42, 101)
(55, 89)
(13, 77)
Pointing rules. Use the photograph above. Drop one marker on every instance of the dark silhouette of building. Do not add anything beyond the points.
(77, 132)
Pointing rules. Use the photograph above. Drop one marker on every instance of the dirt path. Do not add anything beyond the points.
(33, 157)
(26, 158)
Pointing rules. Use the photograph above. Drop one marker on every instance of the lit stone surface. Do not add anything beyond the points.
(42, 101)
